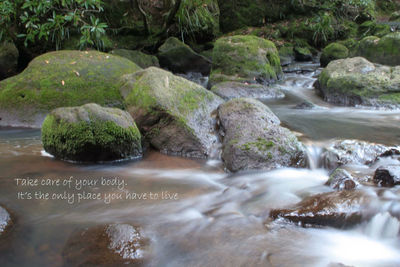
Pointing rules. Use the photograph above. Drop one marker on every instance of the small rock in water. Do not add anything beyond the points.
(387, 175)
(344, 152)
(340, 179)
(229, 90)
(5, 220)
(110, 245)
(305, 105)
(337, 209)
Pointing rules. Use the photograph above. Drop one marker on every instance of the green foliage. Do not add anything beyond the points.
(198, 16)
(322, 28)
(38, 21)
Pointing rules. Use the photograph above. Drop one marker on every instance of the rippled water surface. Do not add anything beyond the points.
(217, 219)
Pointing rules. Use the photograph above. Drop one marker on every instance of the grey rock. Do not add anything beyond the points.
(254, 139)
(174, 114)
(229, 90)
(180, 58)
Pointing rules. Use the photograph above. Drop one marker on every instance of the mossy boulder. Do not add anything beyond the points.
(385, 50)
(253, 138)
(139, 58)
(180, 58)
(229, 90)
(61, 79)
(332, 52)
(356, 81)
(173, 113)
(351, 44)
(245, 59)
(91, 133)
(8, 59)
(106, 245)
(302, 53)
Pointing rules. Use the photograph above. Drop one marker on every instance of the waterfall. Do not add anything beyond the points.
(382, 226)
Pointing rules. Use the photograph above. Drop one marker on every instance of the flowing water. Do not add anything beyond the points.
(213, 218)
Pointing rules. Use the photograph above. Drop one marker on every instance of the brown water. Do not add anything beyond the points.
(216, 219)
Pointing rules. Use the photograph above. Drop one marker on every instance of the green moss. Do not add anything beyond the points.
(65, 78)
(76, 141)
(332, 52)
(245, 58)
(141, 59)
(385, 50)
(261, 144)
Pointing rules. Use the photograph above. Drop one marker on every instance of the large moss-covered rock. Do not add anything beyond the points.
(91, 133)
(254, 139)
(59, 79)
(385, 50)
(332, 52)
(174, 113)
(179, 57)
(8, 59)
(141, 59)
(245, 59)
(356, 81)
(108, 245)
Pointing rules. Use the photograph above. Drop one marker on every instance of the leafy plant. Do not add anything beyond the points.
(37, 21)
(322, 28)
(197, 16)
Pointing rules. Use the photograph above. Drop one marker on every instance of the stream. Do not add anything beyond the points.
(215, 218)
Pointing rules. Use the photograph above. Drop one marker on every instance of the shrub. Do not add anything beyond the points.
(37, 21)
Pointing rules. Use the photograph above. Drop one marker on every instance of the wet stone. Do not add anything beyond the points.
(5, 220)
(110, 245)
(387, 175)
(339, 209)
(340, 179)
(344, 152)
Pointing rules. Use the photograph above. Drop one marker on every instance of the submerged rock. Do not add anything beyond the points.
(337, 209)
(254, 139)
(340, 179)
(356, 81)
(59, 79)
(387, 175)
(243, 58)
(111, 245)
(5, 220)
(179, 57)
(141, 59)
(385, 50)
(344, 152)
(91, 133)
(229, 90)
(174, 114)
(8, 59)
(332, 52)
(305, 105)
